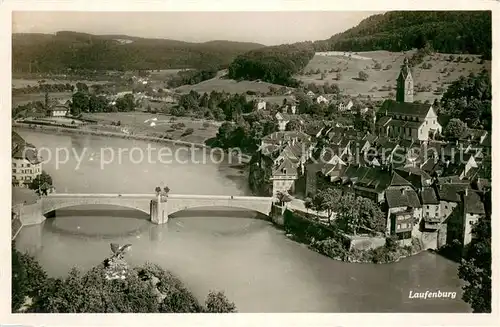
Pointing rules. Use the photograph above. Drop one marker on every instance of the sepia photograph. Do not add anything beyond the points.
(251, 162)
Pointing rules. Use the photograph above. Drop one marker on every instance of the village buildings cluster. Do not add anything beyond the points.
(429, 189)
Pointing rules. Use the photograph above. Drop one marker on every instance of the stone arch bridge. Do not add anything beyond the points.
(158, 208)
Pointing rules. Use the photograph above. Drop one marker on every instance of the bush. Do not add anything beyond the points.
(331, 248)
(377, 66)
(388, 67)
(178, 125)
(363, 76)
(188, 131)
(217, 302)
(206, 125)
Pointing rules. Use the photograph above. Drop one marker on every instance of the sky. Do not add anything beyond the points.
(267, 28)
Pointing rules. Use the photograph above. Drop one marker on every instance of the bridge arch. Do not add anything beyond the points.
(174, 214)
(259, 205)
(52, 204)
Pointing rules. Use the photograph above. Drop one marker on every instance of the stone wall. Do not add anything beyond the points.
(31, 214)
(366, 242)
(277, 214)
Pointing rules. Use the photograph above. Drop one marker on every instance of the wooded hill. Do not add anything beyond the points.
(63, 50)
(446, 31)
(276, 64)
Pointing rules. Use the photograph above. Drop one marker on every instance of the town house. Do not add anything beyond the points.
(26, 165)
(58, 109)
(404, 212)
(469, 210)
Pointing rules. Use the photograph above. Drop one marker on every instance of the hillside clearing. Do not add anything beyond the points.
(383, 81)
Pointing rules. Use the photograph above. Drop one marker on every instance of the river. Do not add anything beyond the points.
(255, 264)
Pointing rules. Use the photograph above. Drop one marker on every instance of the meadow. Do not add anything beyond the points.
(383, 68)
(22, 99)
(141, 123)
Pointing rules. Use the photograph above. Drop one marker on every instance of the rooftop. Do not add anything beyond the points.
(402, 197)
(429, 196)
(473, 203)
(412, 109)
(451, 192)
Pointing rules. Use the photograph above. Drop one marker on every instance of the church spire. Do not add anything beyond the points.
(404, 91)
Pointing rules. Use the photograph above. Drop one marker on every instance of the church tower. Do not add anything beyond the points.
(404, 92)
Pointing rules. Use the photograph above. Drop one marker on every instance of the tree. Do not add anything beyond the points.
(82, 87)
(319, 202)
(327, 199)
(283, 198)
(41, 183)
(475, 268)
(339, 76)
(294, 125)
(469, 98)
(145, 289)
(79, 103)
(28, 278)
(125, 103)
(157, 190)
(363, 76)
(456, 129)
(97, 103)
(19, 281)
(354, 214)
(217, 302)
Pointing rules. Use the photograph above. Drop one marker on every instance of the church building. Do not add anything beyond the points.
(404, 118)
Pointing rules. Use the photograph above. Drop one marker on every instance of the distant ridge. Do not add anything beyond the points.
(446, 31)
(37, 52)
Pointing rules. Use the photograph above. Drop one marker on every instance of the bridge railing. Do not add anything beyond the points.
(153, 195)
(99, 195)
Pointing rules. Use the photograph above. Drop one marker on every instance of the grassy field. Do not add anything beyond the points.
(228, 85)
(382, 81)
(163, 73)
(26, 98)
(140, 123)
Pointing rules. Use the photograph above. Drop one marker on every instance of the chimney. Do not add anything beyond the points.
(467, 191)
(403, 191)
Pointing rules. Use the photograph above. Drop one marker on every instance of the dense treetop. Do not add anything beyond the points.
(90, 292)
(104, 52)
(276, 64)
(447, 32)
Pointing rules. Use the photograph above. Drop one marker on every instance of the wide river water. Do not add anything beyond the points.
(254, 263)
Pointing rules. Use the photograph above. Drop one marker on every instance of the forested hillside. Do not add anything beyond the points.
(446, 31)
(56, 53)
(276, 64)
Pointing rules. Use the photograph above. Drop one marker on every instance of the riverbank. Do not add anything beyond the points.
(336, 245)
(48, 129)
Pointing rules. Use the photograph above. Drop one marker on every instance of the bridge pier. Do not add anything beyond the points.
(158, 212)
